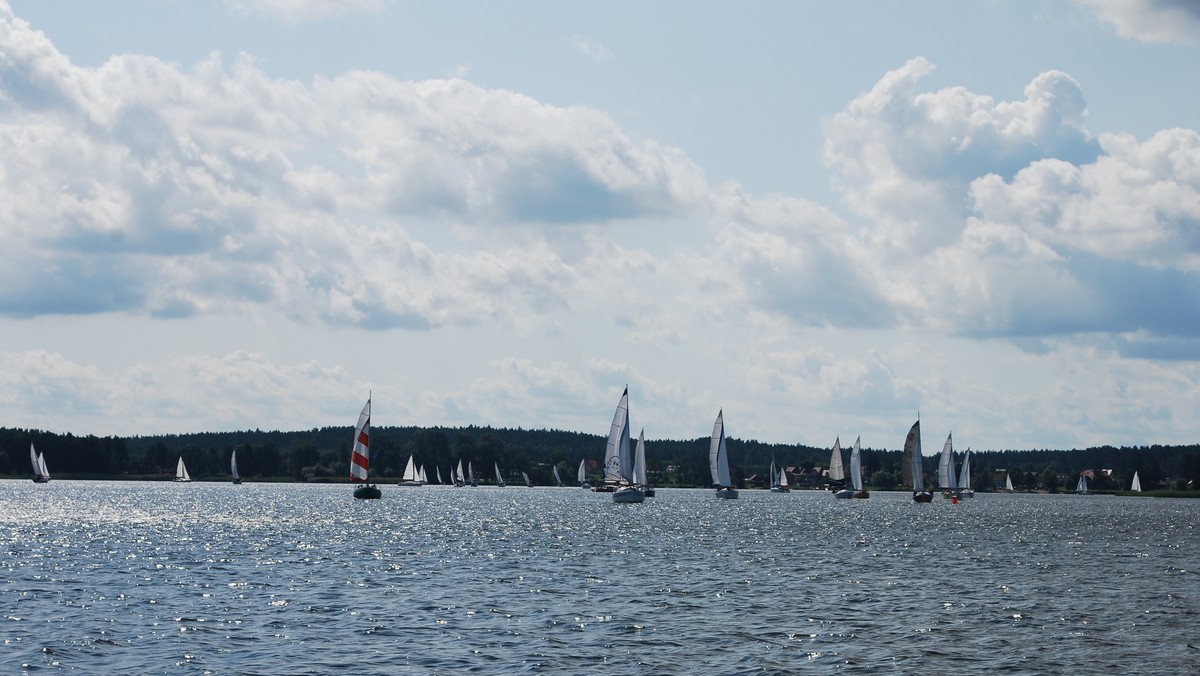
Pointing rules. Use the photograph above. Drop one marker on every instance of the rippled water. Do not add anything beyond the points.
(290, 578)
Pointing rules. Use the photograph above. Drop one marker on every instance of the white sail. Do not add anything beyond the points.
(557, 479)
(33, 461)
(528, 483)
(946, 477)
(438, 470)
(1008, 485)
(1137, 483)
(459, 476)
(499, 479)
(856, 466)
(233, 465)
(783, 482)
(618, 464)
(421, 473)
(1081, 486)
(45, 473)
(360, 453)
(582, 475)
(181, 473)
(964, 474)
(471, 472)
(718, 454)
(639, 460)
(836, 471)
(912, 457)
(410, 475)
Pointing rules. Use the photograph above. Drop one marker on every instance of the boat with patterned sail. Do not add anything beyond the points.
(360, 457)
(618, 458)
(718, 460)
(41, 475)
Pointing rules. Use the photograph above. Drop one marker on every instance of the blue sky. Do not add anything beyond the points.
(822, 217)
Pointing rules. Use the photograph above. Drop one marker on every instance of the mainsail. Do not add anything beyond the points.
(618, 464)
(856, 465)
(718, 454)
(362, 442)
(946, 478)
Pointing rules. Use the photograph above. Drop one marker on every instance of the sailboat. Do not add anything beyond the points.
(639, 465)
(460, 479)
(1081, 486)
(618, 458)
(779, 482)
(411, 476)
(181, 473)
(41, 475)
(718, 460)
(582, 475)
(499, 479)
(947, 481)
(856, 479)
(964, 477)
(557, 479)
(912, 463)
(528, 483)
(1137, 483)
(837, 473)
(233, 467)
(421, 476)
(471, 474)
(360, 457)
(1008, 486)
(438, 470)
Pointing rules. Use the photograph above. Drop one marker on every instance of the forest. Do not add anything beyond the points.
(322, 454)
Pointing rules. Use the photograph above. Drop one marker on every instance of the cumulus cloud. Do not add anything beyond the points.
(1150, 20)
(143, 188)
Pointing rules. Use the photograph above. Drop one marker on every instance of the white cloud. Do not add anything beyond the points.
(1150, 20)
(590, 48)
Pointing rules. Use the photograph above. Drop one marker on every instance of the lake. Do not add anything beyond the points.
(142, 577)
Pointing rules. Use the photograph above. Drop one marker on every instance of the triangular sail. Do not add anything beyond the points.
(499, 479)
(233, 464)
(421, 473)
(912, 458)
(582, 474)
(964, 474)
(359, 454)
(856, 465)
(181, 473)
(1135, 486)
(410, 471)
(946, 465)
(557, 479)
(718, 454)
(33, 461)
(528, 483)
(618, 464)
(45, 473)
(639, 460)
(783, 482)
(438, 470)
(837, 471)
(462, 478)
(1008, 484)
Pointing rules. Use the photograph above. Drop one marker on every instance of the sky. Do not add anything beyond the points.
(823, 218)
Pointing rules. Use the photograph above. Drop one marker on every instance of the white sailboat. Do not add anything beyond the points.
(618, 458)
(837, 472)
(856, 478)
(639, 465)
(471, 475)
(779, 482)
(41, 475)
(1137, 483)
(360, 455)
(913, 465)
(499, 479)
(557, 479)
(411, 476)
(1081, 486)
(421, 474)
(438, 470)
(1008, 485)
(528, 483)
(581, 476)
(947, 481)
(233, 467)
(718, 460)
(964, 477)
(460, 479)
(181, 473)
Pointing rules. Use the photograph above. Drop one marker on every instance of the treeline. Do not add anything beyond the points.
(322, 454)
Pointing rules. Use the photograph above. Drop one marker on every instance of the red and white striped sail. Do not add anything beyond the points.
(362, 443)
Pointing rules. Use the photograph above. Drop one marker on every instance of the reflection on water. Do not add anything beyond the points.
(288, 578)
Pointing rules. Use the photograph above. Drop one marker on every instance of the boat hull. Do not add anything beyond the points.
(780, 489)
(861, 495)
(922, 497)
(628, 495)
(727, 493)
(649, 492)
(368, 493)
(41, 480)
(844, 494)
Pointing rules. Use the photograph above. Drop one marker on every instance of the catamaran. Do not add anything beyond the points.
(181, 473)
(41, 475)
(360, 457)
(718, 460)
(233, 467)
(837, 472)
(913, 466)
(856, 478)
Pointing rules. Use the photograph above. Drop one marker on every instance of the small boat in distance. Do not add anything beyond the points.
(618, 459)
(528, 483)
(913, 465)
(460, 479)
(1081, 486)
(856, 470)
(837, 472)
(1136, 486)
(360, 457)
(233, 467)
(582, 476)
(181, 473)
(411, 476)
(499, 479)
(779, 482)
(718, 460)
(947, 481)
(557, 479)
(964, 477)
(41, 475)
(1008, 485)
